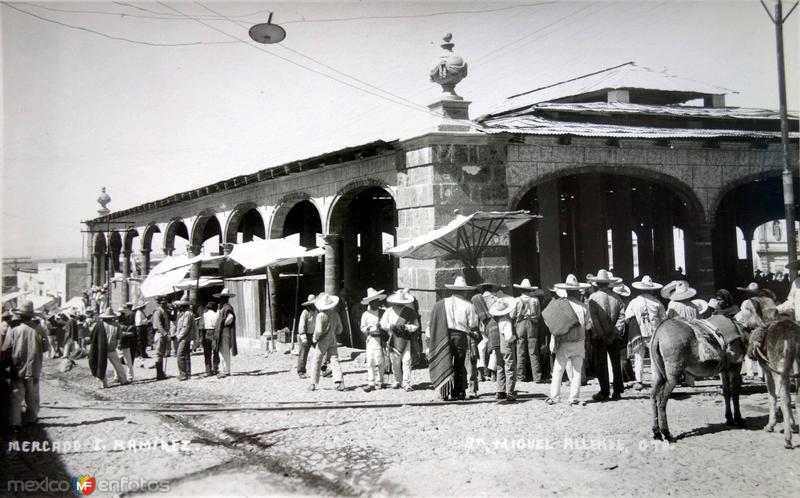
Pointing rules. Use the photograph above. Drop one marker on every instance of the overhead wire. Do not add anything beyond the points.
(112, 37)
(327, 66)
(295, 63)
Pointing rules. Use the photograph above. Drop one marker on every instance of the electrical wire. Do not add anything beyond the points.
(112, 37)
(327, 66)
(299, 64)
(168, 16)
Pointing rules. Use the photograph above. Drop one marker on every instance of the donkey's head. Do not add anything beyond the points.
(755, 311)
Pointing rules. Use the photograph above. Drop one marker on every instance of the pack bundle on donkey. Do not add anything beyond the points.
(775, 344)
(703, 348)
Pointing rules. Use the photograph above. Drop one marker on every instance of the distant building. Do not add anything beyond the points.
(60, 281)
(771, 255)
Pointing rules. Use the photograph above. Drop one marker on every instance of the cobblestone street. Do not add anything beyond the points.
(261, 431)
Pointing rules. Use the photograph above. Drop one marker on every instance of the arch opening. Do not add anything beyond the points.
(749, 236)
(594, 221)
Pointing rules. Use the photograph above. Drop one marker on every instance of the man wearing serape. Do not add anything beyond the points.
(452, 319)
(106, 335)
(371, 328)
(643, 314)
(225, 334)
(402, 323)
(568, 319)
(608, 317)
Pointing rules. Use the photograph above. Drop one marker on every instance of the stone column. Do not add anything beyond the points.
(126, 273)
(145, 262)
(591, 227)
(621, 223)
(97, 268)
(272, 317)
(748, 240)
(332, 254)
(663, 243)
(549, 235)
(699, 259)
(194, 272)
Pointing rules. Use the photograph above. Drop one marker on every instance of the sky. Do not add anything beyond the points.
(148, 99)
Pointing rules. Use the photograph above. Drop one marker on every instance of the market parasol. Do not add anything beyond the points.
(466, 237)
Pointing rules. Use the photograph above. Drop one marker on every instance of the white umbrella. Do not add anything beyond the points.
(466, 237)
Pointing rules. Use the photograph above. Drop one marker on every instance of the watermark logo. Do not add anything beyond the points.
(84, 485)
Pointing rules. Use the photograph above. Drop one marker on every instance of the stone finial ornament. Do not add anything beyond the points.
(103, 200)
(449, 69)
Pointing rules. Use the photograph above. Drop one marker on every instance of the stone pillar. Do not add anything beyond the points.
(332, 267)
(663, 242)
(621, 226)
(549, 235)
(126, 273)
(272, 312)
(194, 272)
(699, 259)
(748, 240)
(145, 262)
(591, 227)
(97, 268)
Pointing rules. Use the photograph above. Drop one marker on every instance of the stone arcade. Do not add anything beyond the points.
(605, 158)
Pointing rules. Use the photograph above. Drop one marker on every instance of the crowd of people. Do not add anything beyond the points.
(478, 333)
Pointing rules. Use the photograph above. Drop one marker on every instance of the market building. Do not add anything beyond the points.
(625, 158)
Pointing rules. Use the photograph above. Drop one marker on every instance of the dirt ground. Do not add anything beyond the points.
(261, 432)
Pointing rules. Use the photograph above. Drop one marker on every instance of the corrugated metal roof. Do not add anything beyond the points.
(533, 125)
(656, 110)
(628, 75)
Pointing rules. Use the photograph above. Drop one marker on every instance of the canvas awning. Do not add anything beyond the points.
(270, 252)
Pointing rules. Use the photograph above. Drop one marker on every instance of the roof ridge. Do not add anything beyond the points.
(631, 63)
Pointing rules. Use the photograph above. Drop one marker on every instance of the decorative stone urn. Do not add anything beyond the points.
(448, 70)
(103, 200)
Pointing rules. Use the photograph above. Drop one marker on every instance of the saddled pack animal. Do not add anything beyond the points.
(776, 346)
(703, 348)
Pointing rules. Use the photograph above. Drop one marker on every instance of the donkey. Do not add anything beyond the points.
(675, 349)
(776, 346)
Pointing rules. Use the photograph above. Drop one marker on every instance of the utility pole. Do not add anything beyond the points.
(788, 184)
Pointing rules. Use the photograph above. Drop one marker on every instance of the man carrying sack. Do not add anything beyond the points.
(568, 320)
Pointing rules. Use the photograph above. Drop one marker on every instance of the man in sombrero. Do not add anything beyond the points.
(106, 335)
(643, 314)
(225, 333)
(161, 325)
(401, 321)
(502, 311)
(24, 346)
(792, 303)
(529, 335)
(305, 330)
(186, 334)
(568, 320)
(608, 318)
(680, 295)
(452, 319)
(371, 328)
(327, 326)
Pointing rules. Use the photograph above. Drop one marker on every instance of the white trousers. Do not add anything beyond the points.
(126, 353)
(482, 350)
(113, 358)
(638, 366)
(24, 390)
(572, 365)
(752, 368)
(374, 361)
(225, 354)
(401, 365)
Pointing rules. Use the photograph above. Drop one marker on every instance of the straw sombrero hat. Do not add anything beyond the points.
(622, 289)
(701, 304)
(502, 307)
(646, 284)
(224, 293)
(571, 283)
(400, 296)
(525, 285)
(459, 285)
(326, 302)
(309, 301)
(26, 310)
(490, 286)
(108, 313)
(139, 306)
(604, 277)
(752, 289)
(372, 295)
(682, 291)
